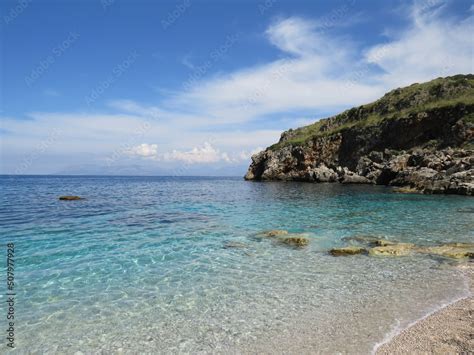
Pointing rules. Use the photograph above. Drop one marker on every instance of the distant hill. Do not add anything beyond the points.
(419, 137)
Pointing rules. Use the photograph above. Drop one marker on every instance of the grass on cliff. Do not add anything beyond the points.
(396, 104)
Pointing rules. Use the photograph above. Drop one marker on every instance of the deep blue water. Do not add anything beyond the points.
(141, 264)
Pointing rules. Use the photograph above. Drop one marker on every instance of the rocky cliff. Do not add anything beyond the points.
(419, 137)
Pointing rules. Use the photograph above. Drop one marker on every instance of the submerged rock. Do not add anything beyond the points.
(361, 239)
(406, 190)
(384, 243)
(389, 248)
(297, 241)
(352, 250)
(451, 250)
(283, 237)
(399, 249)
(71, 198)
(274, 233)
(460, 245)
(238, 245)
(369, 240)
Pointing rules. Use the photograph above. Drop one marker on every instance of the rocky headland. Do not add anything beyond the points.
(419, 138)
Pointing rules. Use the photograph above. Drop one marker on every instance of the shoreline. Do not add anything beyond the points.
(446, 329)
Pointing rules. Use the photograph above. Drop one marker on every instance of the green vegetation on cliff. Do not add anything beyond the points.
(396, 104)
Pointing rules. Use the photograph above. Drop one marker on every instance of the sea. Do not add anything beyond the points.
(177, 265)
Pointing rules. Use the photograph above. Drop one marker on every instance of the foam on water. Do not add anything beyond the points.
(140, 265)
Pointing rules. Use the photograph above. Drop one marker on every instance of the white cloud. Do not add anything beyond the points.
(144, 150)
(204, 154)
(322, 72)
(309, 78)
(432, 46)
(294, 35)
(316, 72)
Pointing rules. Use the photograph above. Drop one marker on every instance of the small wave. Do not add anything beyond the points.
(397, 329)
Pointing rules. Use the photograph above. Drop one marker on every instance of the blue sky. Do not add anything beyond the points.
(195, 87)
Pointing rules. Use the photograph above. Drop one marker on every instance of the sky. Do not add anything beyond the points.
(191, 87)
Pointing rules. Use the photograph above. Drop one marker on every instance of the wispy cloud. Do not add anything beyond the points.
(433, 45)
(313, 76)
(223, 118)
(308, 77)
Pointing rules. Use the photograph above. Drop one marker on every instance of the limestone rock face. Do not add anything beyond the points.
(354, 179)
(420, 138)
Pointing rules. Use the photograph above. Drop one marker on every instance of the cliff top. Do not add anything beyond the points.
(396, 104)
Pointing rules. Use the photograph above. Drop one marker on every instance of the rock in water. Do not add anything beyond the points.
(384, 243)
(452, 250)
(283, 237)
(369, 240)
(406, 190)
(236, 245)
(460, 245)
(351, 250)
(295, 241)
(274, 233)
(70, 198)
(388, 248)
(399, 249)
(365, 239)
(419, 137)
(354, 179)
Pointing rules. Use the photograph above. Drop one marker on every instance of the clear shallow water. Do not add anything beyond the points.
(141, 265)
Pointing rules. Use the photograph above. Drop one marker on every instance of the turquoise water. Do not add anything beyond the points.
(141, 264)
